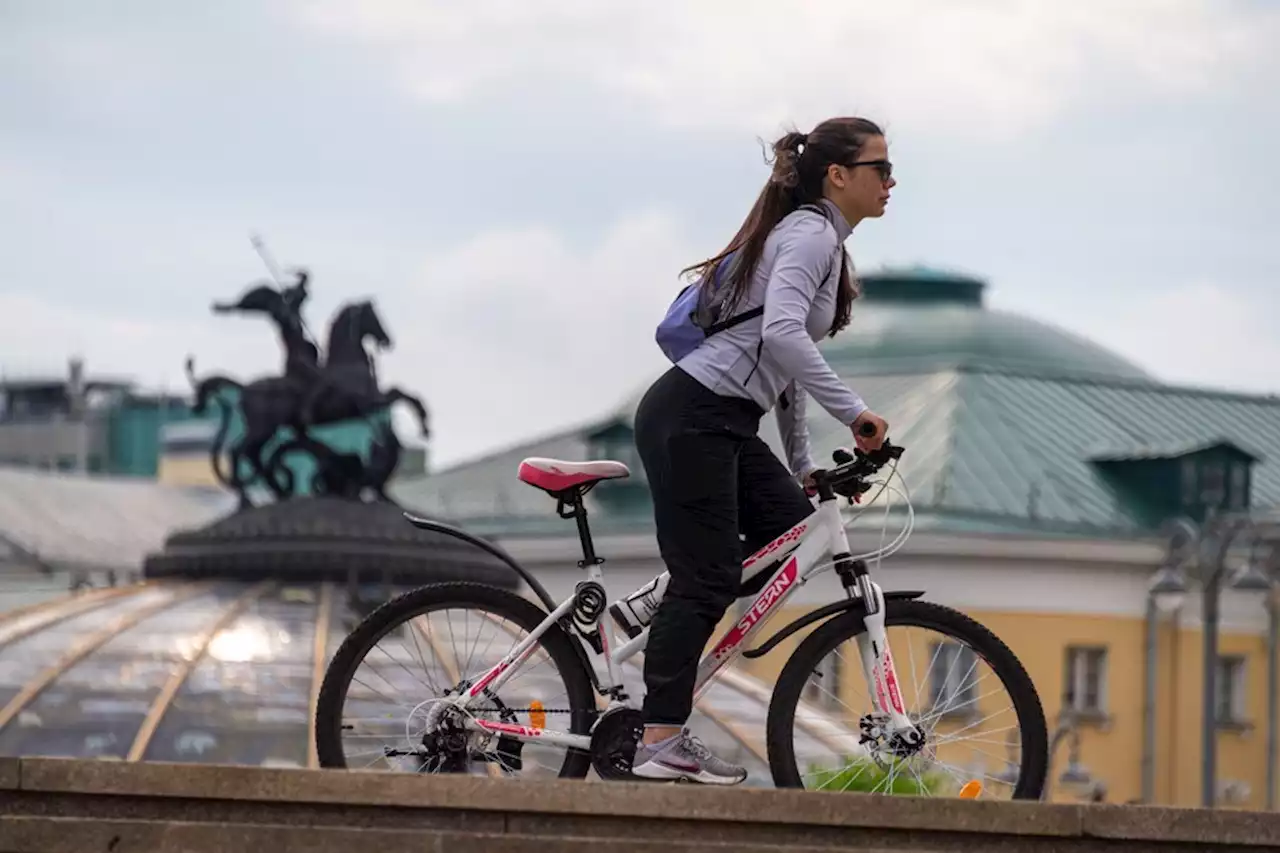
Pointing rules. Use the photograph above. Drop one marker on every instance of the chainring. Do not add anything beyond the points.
(614, 742)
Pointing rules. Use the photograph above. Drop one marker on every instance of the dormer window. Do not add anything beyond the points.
(1192, 480)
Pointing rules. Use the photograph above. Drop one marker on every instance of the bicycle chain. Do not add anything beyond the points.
(526, 710)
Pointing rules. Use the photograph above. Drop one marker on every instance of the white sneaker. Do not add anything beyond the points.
(685, 757)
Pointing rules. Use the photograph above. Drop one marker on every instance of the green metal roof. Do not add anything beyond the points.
(985, 451)
(918, 320)
(1129, 451)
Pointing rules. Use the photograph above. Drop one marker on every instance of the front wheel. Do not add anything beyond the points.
(822, 733)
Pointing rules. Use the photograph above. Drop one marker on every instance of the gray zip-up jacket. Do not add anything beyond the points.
(796, 280)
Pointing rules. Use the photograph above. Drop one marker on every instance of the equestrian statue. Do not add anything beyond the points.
(310, 392)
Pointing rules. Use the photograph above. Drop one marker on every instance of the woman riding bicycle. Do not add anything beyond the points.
(710, 475)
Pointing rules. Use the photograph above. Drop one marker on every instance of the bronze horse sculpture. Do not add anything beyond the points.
(309, 394)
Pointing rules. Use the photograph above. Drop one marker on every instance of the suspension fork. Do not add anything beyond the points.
(873, 644)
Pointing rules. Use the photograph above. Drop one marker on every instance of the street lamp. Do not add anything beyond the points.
(1204, 549)
(1251, 578)
(1273, 691)
(1167, 589)
(1255, 576)
(1166, 594)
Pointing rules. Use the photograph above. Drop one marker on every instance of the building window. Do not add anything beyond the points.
(1213, 484)
(953, 678)
(1229, 701)
(1239, 485)
(1189, 482)
(1084, 687)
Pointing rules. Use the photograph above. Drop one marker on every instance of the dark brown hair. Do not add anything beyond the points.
(800, 162)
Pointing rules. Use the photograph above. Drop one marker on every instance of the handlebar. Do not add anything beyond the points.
(849, 477)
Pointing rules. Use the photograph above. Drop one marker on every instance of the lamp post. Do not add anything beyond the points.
(1260, 575)
(1273, 691)
(1211, 544)
(1165, 594)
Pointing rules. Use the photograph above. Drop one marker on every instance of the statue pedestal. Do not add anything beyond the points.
(325, 538)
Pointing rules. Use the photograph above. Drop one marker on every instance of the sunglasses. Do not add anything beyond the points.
(883, 167)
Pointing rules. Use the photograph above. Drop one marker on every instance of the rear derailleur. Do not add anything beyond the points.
(446, 745)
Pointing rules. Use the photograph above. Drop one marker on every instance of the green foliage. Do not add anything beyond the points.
(867, 777)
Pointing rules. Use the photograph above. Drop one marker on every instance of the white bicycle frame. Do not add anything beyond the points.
(805, 550)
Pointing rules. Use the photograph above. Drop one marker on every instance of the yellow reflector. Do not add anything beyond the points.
(971, 790)
(537, 716)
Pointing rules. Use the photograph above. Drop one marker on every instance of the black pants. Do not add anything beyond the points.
(711, 478)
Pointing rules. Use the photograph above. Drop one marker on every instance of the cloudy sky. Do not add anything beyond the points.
(517, 184)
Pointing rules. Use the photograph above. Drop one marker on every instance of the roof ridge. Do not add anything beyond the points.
(1125, 382)
(1132, 383)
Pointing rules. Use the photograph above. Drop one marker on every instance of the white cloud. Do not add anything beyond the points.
(1198, 333)
(40, 335)
(982, 68)
(517, 332)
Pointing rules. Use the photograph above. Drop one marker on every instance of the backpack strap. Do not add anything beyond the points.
(759, 309)
(734, 320)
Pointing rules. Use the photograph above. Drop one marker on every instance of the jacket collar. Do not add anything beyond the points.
(842, 226)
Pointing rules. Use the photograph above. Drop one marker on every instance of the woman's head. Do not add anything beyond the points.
(842, 159)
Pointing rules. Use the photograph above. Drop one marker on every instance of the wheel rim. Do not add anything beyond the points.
(402, 674)
(970, 717)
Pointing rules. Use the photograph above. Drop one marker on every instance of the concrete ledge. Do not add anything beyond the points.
(551, 797)
(69, 835)
(174, 806)
(1197, 826)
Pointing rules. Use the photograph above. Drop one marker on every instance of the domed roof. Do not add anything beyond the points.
(916, 318)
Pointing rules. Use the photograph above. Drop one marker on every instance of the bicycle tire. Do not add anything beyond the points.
(922, 614)
(505, 604)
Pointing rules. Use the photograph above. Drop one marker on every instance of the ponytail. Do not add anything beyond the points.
(800, 162)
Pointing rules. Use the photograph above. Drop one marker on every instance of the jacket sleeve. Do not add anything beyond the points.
(794, 430)
(803, 260)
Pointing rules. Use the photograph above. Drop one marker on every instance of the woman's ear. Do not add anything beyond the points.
(837, 176)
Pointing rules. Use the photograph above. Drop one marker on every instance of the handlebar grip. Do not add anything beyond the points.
(867, 429)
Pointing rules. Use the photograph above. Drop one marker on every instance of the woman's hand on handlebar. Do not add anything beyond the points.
(869, 431)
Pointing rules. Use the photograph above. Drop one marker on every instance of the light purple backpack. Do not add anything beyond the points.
(689, 320)
(692, 317)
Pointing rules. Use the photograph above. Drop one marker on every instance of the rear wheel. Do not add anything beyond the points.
(972, 739)
(373, 703)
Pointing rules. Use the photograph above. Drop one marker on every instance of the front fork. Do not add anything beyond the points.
(873, 645)
(877, 661)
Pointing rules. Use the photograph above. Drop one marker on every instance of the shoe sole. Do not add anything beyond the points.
(661, 773)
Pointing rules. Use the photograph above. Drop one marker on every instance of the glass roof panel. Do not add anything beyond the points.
(247, 701)
(23, 660)
(105, 697)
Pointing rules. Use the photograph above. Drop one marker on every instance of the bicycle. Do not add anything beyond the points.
(577, 638)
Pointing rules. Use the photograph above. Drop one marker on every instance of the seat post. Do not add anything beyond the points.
(589, 557)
